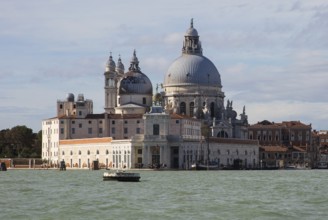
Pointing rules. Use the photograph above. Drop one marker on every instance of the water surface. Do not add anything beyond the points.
(73, 194)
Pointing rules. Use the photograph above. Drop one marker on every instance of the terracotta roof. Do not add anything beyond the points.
(267, 124)
(301, 149)
(86, 141)
(284, 124)
(297, 124)
(273, 148)
(124, 116)
(233, 141)
(178, 116)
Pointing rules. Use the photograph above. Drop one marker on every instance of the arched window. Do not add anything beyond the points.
(97, 151)
(88, 152)
(63, 153)
(191, 109)
(182, 108)
(71, 152)
(107, 152)
(79, 152)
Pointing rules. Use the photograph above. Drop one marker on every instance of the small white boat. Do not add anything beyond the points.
(122, 176)
(322, 165)
(197, 166)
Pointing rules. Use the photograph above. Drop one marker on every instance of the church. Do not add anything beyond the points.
(183, 124)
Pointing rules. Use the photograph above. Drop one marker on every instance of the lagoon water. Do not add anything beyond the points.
(72, 194)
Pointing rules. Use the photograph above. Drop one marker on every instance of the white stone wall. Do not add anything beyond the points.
(223, 153)
(113, 155)
(50, 140)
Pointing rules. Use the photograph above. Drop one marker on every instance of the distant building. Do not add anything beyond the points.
(184, 124)
(284, 144)
(322, 148)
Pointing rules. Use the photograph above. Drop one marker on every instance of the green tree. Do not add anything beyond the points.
(21, 140)
(5, 145)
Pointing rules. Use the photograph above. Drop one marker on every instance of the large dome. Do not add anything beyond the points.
(190, 69)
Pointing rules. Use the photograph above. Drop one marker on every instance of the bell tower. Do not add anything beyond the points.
(110, 86)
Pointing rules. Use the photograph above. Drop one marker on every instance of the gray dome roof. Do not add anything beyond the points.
(191, 69)
(119, 66)
(135, 83)
(192, 32)
(110, 65)
(70, 97)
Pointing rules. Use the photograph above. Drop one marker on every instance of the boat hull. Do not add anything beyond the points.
(122, 177)
(204, 167)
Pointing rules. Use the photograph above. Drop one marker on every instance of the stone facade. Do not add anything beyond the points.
(284, 144)
(135, 132)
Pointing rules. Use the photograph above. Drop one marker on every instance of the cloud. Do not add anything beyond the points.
(269, 54)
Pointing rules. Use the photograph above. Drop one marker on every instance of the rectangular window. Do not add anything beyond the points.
(62, 130)
(138, 131)
(80, 125)
(73, 130)
(89, 130)
(113, 122)
(100, 130)
(139, 151)
(113, 130)
(125, 130)
(156, 129)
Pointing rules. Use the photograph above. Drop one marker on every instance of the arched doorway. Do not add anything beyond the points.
(182, 108)
(222, 134)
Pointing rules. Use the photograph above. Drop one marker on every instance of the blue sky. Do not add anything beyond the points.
(272, 55)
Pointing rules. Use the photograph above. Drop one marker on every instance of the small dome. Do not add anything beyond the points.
(134, 81)
(70, 97)
(134, 58)
(80, 98)
(110, 66)
(120, 66)
(191, 32)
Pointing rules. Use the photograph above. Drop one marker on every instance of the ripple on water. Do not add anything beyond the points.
(164, 195)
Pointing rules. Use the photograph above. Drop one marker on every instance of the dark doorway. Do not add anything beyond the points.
(175, 157)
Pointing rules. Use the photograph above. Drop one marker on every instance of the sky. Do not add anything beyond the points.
(272, 55)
